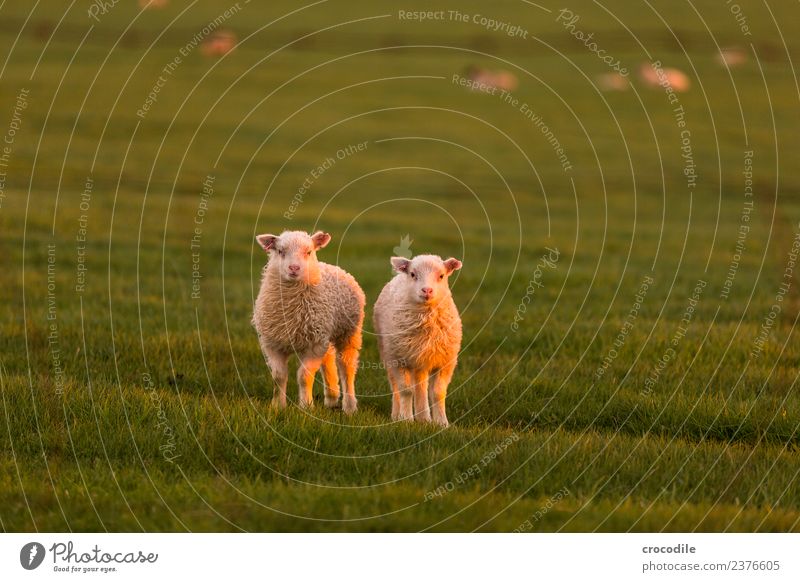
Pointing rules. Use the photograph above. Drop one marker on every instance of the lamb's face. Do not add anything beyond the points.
(426, 277)
(293, 254)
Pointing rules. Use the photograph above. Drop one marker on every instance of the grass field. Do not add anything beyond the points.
(136, 398)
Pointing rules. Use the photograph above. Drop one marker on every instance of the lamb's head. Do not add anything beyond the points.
(293, 254)
(426, 277)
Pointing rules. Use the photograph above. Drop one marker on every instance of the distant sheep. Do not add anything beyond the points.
(487, 80)
(419, 336)
(612, 82)
(220, 43)
(152, 3)
(664, 77)
(731, 57)
(311, 309)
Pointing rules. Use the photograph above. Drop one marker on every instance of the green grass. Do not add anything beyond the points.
(712, 446)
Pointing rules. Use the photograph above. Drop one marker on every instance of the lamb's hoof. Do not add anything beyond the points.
(305, 404)
(278, 404)
(332, 402)
(422, 418)
(442, 422)
(349, 404)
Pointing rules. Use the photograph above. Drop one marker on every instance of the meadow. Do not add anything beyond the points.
(642, 378)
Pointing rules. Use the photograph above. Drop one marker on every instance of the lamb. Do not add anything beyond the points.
(419, 336)
(311, 309)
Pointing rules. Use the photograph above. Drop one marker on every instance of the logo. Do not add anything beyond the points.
(31, 555)
(404, 248)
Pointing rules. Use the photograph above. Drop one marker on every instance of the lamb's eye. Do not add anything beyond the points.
(441, 277)
(413, 275)
(308, 253)
(282, 253)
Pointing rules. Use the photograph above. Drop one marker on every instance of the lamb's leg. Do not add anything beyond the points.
(347, 360)
(391, 372)
(421, 412)
(309, 364)
(438, 388)
(279, 368)
(331, 378)
(405, 394)
(397, 378)
(431, 383)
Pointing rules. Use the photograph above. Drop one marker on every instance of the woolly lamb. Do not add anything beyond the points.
(419, 336)
(311, 309)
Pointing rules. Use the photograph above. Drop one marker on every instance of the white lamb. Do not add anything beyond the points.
(311, 309)
(419, 336)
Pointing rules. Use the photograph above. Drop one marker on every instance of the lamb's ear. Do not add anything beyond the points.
(401, 264)
(267, 241)
(452, 264)
(321, 239)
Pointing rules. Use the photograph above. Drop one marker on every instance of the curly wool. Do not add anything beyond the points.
(418, 336)
(295, 317)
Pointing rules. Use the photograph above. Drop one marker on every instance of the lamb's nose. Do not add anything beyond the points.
(427, 291)
(294, 268)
